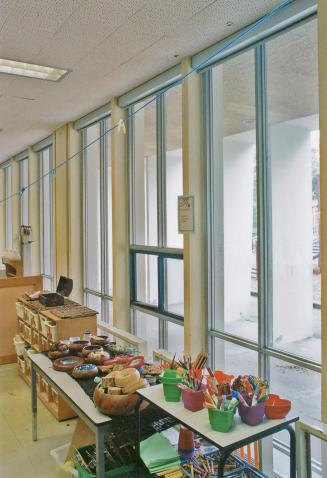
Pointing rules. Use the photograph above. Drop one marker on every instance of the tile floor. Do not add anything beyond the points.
(19, 455)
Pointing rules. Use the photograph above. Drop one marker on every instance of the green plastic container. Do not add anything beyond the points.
(115, 472)
(221, 421)
(170, 380)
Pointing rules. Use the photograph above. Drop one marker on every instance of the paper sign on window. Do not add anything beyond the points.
(185, 214)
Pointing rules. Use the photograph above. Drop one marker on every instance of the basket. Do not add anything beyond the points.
(20, 310)
(59, 455)
(122, 471)
(19, 345)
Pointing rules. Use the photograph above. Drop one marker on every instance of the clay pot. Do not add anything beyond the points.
(78, 346)
(100, 340)
(86, 370)
(114, 404)
(91, 348)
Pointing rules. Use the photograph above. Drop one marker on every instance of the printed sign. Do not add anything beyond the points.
(185, 214)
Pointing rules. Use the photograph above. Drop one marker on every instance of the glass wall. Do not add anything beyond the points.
(98, 219)
(264, 218)
(23, 183)
(7, 195)
(46, 217)
(156, 181)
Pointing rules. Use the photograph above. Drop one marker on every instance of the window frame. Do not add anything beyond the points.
(161, 251)
(8, 206)
(24, 197)
(264, 348)
(51, 276)
(103, 294)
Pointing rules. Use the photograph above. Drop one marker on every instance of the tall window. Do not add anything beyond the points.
(264, 220)
(157, 288)
(8, 216)
(46, 217)
(98, 219)
(23, 183)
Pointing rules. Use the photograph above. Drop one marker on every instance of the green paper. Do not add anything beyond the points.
(158, 454)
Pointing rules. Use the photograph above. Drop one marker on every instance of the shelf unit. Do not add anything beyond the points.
(39, 327)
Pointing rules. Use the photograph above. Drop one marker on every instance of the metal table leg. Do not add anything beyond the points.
(291, 432)
(99, 437)
(34, 403)
(221, 463)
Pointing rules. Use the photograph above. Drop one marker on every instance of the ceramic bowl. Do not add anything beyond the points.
(100, 340)
(91, 348)
(276, 407)
(78, 345)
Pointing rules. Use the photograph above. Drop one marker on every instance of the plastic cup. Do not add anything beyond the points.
(221, 420)
(252, 415)
(193, 399)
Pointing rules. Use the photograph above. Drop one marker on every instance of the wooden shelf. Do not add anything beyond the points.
(65, 328)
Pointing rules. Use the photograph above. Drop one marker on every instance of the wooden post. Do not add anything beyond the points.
(120, 221)
(194, 244)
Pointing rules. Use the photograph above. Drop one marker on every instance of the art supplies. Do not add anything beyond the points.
(158, 454)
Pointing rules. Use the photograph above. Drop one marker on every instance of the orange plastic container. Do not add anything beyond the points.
(223, 377)
(276, 407)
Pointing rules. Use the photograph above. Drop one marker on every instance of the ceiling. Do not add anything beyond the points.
(110, 46)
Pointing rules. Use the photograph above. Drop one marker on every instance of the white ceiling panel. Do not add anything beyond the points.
(110, 46)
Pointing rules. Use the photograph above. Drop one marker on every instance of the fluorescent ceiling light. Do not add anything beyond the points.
(19, 68)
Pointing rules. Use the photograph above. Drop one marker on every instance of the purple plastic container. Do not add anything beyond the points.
(193, 400)
(252, 415)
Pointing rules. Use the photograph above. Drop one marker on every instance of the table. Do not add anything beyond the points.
(77, 399)
(240, 435)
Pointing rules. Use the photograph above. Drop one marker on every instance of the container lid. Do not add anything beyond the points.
(65, 286)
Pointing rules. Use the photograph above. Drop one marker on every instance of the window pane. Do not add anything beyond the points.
(109, 206)
(175, 338)
(174, 296)
(234, 197)
(92, 213)
(23, 172)
(94, 302)
(108, 311)
(174, 163)
(234, 359)
(285, 378)
(145, 175)
(295, 192)
(147, 279)
(147, 328)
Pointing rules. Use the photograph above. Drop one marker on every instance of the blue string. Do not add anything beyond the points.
(180, 80)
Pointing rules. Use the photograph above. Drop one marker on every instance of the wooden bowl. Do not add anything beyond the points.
(56, 354)
(66, 364)
(97, 357)
(86, 370)
(115, 404)
(91, 348)
(100, 340)
(78, 346)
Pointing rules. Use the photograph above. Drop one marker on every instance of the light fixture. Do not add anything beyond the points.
(11, 67)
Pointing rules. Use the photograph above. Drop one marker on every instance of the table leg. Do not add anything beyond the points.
(99, 441)
(291, 432)
(34, 403)
(221, 463)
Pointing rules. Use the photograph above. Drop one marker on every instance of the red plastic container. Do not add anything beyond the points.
(193, 400)
(276, 407)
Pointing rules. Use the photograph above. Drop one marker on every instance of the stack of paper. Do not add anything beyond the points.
(158, 454)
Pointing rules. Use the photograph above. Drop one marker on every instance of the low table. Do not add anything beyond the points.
(240, 435)
(77, 399)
